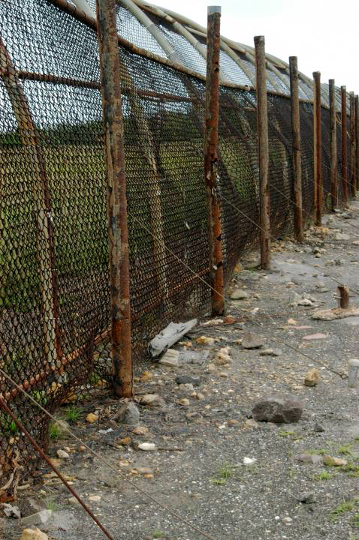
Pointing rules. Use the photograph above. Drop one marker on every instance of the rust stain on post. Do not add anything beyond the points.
(263, 151)
(296, 149)
(344, 170)
(318, 180)
(343, 300)
(121, 353)
(333, 147)
(211, 160)
(352, 144)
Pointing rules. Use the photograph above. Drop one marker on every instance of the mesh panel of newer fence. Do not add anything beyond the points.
(54, 288)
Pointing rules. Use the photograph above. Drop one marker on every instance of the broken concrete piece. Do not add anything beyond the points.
(170, 335)
(40, 518)
(239, 294)
(33, 534)
(336, 313)
(170, 358)
(128, 414)
(313, 459)
(252, 341)
(278, 409)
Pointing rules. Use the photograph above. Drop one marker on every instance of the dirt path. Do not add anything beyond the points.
(197, 469)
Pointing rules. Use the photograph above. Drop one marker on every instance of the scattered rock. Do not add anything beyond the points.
(40, 518)
(315, 336)
(312, 377)
(186, 379)
(200, 396)
(33, 534)
(306, 302)
(184, 402)
(95, 498)
(147, 447)
(143, 470)
(151, 400)
(62, 454)
(334, 462)
(91, 418)
(73, 500)
(278, 409)
(188, 387)
(336, 313)
(287, 520)
(140, 430)
(11, 511)
(128, 414)
(239, 294)
(252, 341)
(170, 358)
(313, 459)
(205, 340)
(307, 498)
(342, 236)
(249, 461)
(318, 428)
(271, 352)
(222, 357)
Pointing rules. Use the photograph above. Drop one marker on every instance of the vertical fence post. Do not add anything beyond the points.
(318, 182)
(117, 205)
(344, 170)
(296, 149)
(333, 147)
(356, 143)
(211, 159)
(352, 144)
(263, 150)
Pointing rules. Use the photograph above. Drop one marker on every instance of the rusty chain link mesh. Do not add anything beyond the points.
(54, 291)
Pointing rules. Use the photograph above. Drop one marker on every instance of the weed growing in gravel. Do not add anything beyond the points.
(158, 534)
(346, 450)
(351, 469)
(222, 475)
(355, 523)
(323, 476)
(343, 508)
(54, 432)
(73, 414)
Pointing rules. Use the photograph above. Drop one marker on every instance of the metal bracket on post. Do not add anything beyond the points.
(121, 353)
(211, 160)
(263, 150)
(296, 149)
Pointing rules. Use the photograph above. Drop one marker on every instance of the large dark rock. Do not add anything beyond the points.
(281, 409)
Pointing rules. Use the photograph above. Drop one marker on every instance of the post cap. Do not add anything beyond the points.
(259, 39)
(214, 9)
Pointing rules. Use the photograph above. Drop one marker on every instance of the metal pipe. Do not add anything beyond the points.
(333, 147)
(352, 144)
(117, 203)
(318, 181)
(211, 160)
(263, 151)
(296, 149)
(344, 168)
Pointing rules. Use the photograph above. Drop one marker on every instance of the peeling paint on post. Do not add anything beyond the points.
(344, 171)
(211, 160)
(296, 150)
(333, 147)
(318, 180)
(121, 353)
(263, 151)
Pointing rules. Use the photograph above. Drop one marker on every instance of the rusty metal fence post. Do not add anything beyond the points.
(318, 180)
(333, 147)
(117, 204)
(296, 150)
(263, 150)
(352, 144)
(211, 159)
(344, 169)
(356, 143)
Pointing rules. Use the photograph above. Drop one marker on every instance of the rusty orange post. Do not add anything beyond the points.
(263, 150)
(296, 150)
(211, 160)
(352, 144)
(344, 169)
(121, 353)
(318, 180)
(333, 147)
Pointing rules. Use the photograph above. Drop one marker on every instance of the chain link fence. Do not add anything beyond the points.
(54, 283)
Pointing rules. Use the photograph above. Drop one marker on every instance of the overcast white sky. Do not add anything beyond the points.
(322, 33)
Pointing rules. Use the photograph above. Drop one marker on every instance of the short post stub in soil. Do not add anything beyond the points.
(121, 353)
(318, 180)
(211, 160)
(296, 150)
(333, 147)
(263, 151)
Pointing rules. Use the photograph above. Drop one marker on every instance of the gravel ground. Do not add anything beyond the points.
(197, 470)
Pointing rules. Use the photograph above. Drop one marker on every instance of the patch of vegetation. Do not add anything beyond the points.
(323, 476)
(343, 508)
(222, 475)
(158, 534)
(73, 415)
(346, 450)
(54, 432)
